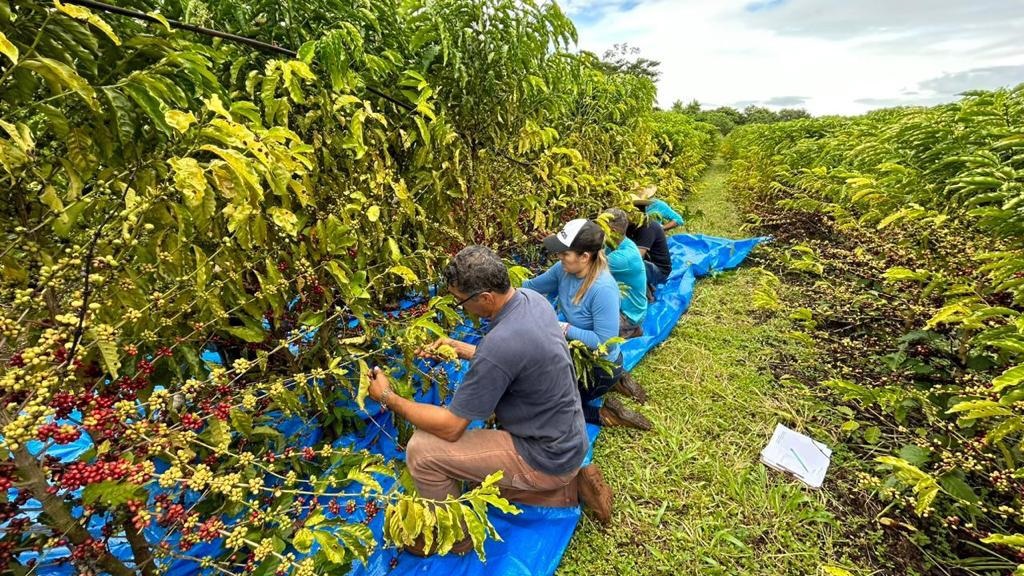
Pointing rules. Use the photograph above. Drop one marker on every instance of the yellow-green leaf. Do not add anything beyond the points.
(407, 274)
(108, 351)
(160, 18)
(835, 571)
(303, 540)
(86, 15)
(50, 198)
(201, 266)
(373, 213)
(364, 385)
(1014, 540)
(180, 121)
(8, 49)
(285, 219)
(188, 178)
(217, 107)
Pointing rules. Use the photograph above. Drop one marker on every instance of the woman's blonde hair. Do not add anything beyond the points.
(598, 264)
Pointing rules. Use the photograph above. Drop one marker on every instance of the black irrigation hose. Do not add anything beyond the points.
(274, 48)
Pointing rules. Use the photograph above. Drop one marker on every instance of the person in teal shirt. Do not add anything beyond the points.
(657, 210)
(627, 267)
(661, 211)
(588, 297)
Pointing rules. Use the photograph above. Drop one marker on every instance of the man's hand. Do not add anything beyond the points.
(379, 384)
(434, 349)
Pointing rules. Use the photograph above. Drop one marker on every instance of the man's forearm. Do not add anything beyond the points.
(429, 418)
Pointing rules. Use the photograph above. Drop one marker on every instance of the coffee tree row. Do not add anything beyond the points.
(909, 222)
(169, 198)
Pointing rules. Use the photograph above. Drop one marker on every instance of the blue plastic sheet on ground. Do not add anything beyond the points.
(533, 541)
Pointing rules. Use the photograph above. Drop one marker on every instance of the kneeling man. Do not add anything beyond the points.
(522, 373)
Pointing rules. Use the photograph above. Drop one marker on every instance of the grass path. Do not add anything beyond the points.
(691, 496)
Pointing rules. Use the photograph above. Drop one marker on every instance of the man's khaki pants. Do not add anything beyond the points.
(438, 467)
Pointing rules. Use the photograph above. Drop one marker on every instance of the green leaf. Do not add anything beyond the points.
(1014, 540)
(160, 18)
(916, 455)
(835, 571)
(109, 355)
(111, 493)
(8, 49)
(872, 435)
(1011, 377)
(218, 432)
(242, 422)
(247, 333)
(60, 76)
(367, 480)
(312, 318)
(358, 539)
(315, 519)
(979, 409)
(330, 547)
(954, 485)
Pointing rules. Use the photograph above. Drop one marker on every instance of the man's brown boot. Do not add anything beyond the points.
(613, 413)
(628, 386)
(594, 493)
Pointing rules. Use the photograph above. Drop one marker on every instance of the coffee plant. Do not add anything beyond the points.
(902, 230)
(206, 246)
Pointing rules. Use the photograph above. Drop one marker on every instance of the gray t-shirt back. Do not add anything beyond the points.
(522, 373)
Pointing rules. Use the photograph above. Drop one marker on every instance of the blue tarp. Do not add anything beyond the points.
(534, 540)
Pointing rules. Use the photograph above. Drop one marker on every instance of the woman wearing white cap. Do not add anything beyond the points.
(588, 297)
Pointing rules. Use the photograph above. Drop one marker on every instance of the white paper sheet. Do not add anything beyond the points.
(791, 451)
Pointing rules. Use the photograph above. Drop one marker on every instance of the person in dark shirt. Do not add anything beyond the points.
(522, 373)
(649, 238)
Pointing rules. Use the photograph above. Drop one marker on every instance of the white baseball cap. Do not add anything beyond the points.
(579, 234)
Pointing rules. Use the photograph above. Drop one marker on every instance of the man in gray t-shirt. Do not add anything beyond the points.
(522, 373)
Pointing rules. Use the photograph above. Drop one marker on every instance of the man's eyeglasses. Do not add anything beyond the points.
(468, 298)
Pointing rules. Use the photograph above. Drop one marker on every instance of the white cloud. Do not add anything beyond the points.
(839, 57)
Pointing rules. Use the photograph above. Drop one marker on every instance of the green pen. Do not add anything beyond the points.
(800, 460)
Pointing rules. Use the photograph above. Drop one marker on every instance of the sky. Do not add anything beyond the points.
(826, 56)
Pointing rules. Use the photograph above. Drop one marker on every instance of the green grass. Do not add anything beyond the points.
(691, 496)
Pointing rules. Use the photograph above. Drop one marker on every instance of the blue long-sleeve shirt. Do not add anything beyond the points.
(663, 212)
(596, 318)
(627, 266)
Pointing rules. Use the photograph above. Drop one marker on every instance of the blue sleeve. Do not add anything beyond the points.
(605, 308)
(480, 390)
(662, 208)
(546, 283)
